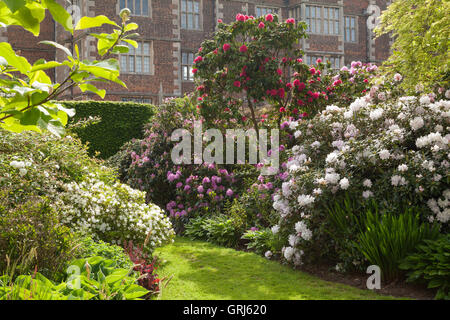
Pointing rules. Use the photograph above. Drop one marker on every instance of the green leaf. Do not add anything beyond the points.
(15, 5)
(89, 87)
(134, 292)
(46, 66)
(120, 49)
(59, 14)
(131, 27)
(18, 62)
(57, 45)
(93, 22)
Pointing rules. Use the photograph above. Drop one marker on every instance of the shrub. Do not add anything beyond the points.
(393, 151)
(115, 213)
(218, 229)
(91, 248)
(388, 238)
(120, 123)
(259, 241)
(92, 278)
(431, 263)
(33, 226)
(44, 166)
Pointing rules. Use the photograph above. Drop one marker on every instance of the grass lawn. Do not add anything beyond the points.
(204, 271)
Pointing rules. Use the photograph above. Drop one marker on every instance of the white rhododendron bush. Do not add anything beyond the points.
(114, 213)
(393, 153)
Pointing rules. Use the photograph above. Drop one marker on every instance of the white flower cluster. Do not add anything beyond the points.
(114, 213)
(371, 151)
(441, 207)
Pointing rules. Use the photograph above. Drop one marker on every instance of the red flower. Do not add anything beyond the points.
(312, 70)
(301, 86)
(289, 85)
(282, 109)
(226, 47)
(219, 21)
(319, 60)
(240, 17)
(194, 71)
(261, 25)
(198, 59)
(279, 71)
(269, 17)
(237, 84)
(243, 48)
(290, 20)
(281, 93)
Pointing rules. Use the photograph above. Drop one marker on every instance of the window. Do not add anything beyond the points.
(350, 29)
(335, 61)
(137, 60)
(137, 100)
(330, 20)
(295, 13)
(190, 14)
(187, 60)
(263, 11)
(137, 7)
(322, 20)
(313, 19)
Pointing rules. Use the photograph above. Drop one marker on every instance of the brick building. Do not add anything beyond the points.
(171, 32)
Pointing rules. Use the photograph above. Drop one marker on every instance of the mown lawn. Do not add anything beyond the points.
(204, 271)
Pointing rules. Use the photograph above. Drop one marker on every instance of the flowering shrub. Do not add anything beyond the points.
(84, 194)
(394, 152)
(256, 61)
(114, 213)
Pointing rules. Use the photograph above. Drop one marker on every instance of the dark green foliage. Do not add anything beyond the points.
(259, 241)
(431, 263)
(33, 229)
(90, 248)
(388, 238)
(120, 123)
(218, 229)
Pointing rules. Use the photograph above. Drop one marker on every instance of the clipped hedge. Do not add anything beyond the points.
(121, 122)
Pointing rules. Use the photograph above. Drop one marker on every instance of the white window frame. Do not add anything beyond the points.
(185, 14)
(351, 29)
(266, 10)
(188, 65)
(133, 8)
(136, 54)
(315, 18)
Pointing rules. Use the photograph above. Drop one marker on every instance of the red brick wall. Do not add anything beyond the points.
(163, 29)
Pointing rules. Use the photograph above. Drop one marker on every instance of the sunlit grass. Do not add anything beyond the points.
(204, 271)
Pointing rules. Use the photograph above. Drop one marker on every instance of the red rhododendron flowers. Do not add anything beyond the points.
(261, 25)
(243, 48)
(226, 47)
(290, 21)
(237, 84)
(198, 59)
(269, 17)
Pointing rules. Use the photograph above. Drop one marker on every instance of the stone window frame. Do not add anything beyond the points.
(320, 20)
(200, 15)
(188, 65)
(135, 54)
(149, 7)
(312, 57)
(355, 28)
(137, 99)
(264, 7)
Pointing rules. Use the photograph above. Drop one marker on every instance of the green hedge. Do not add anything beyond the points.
(121, 122)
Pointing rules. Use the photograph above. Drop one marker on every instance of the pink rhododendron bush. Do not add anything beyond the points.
(371, 159)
